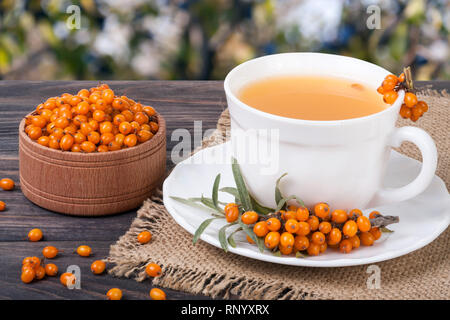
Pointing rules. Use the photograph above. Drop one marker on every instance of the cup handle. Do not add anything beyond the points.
(427, 147)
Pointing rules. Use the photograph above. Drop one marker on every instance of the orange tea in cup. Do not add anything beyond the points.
(312, 97)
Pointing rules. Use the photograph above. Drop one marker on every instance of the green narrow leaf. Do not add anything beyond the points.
(284, 201)
(196, 199)
(215, 192)
(191, 203)
(223, 236)
(277, 253)
(259, 208)
(252, 235)
(386, 230)
(209, 203)
(300, 255)
(241, 187)
(201, 228)
(278, 195)
(230, 238)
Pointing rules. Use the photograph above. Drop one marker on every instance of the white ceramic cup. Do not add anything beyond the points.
(339, 162)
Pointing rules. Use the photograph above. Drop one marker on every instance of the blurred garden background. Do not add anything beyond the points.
(204, 39)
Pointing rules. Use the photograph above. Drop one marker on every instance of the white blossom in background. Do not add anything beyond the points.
(113, 40)
(309, 16)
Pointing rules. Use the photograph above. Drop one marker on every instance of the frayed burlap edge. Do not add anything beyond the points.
(195, 280)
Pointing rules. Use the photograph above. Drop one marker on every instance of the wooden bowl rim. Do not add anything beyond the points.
(95, 156)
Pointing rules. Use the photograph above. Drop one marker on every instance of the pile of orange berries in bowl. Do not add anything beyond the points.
(94, 120)
(297, 230)
(411, 108)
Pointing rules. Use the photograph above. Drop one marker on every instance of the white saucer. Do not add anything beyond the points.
(422, 219)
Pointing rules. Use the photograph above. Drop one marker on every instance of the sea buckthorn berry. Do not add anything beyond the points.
(303, 228)
(345, 246)
(67, 279)
(302, 214)
(141, 118)
(135, 126)
(108, 96)
(7, 184)
(2, 206)
(389, 97)
(38, 121)
(375, 231)
(125, 127)
(301, 243)
(322, 210)
(98, 267)
(119, 104)
(350, 228)
(410, 99)
(291, 226)
(83, 93)
(53, 143)
(153, 270)
(76, 148)
(231, 212)
(119, 139)
(150, 111)
(82, 108)
(86, 128)
(313, 223)
(401, 77)
(50, 252)
(129, 116)
(84, 251)
(285, 250)
(249, 217)
(94, 137)
(35, 133)
(287, 239)
(144, 237)
(339, 216)
(35, 235)
(66, 142)
(272, 239)
(144, 135)
(106, 127)
(157, 294)
(88, 147)
(260, 228)
(79, 138)
(391, 77)
(318, 237)
(130, 140)
(51, 269)
(313, 249)
(363, 224)
(107, 138)
(380, 89)
(388, 85)
(405, 112)
(355, 242)
(273, 224)
(416, 112)
(325, 227)
(423, 105)
(292, 208)
(28, 275)
(374, 214)
(287, 215)
(366, 238)
(335, 236)
(33, 261)
(39, 273)
(98, 115)
(114, 294)
(102, 148)
(154, 126)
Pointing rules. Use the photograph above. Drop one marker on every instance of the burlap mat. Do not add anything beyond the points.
(204, 269)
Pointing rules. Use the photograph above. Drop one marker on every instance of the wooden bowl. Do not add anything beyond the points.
(91, 184)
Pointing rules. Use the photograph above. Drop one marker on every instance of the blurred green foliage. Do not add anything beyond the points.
(195, 39)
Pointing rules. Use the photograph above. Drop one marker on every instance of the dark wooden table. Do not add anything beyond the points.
(180, 102)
